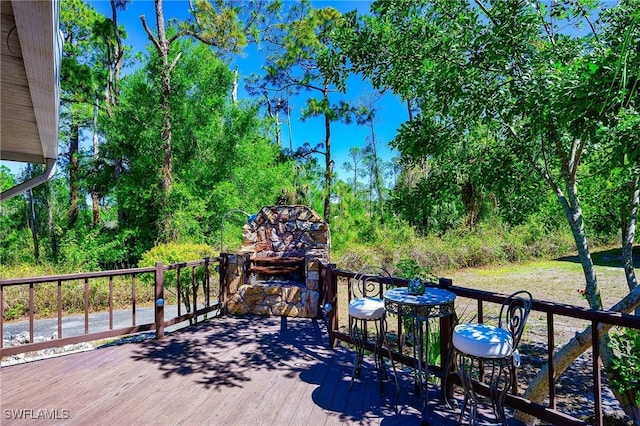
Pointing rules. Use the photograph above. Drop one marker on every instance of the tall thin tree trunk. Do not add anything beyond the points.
(355, 179)
(166, 169)
(289, 126)
(234, 90)
(96, 153)
(74, 191)
(327, 168)
(53, 236)
(274, 114)
(376, 171)
(32, 225)
(114, 91)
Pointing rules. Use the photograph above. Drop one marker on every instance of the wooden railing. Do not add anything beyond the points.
(206, 299)
(335, 298)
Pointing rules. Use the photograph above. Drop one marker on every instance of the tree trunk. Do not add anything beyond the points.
(113, 88)
(470, 202)
(53, 236)
(273, 113)
(289, 127)
(376, 172)
(573, 212)
(32, 225)
(74, 191)
(234, 90)
(96, 153)
(327, 167)
(166, 169)
(355, 179)
(538, 387)
(114, 85)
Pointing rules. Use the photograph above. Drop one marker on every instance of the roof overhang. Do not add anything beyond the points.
(31, 49)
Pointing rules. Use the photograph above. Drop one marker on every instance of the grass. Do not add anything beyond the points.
(557, 280)
(551, 280)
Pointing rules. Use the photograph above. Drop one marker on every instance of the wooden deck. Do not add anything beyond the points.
(228, 371)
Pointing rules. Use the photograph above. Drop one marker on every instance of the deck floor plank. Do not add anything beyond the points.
(227, 371)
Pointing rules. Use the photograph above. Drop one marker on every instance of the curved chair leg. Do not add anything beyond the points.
(449, 366)
(384, 343)
(465, 367)
(500, 385)
(499, 381)
(357, 335)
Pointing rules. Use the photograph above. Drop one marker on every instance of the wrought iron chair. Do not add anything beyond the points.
(367, 306)
(492, 350)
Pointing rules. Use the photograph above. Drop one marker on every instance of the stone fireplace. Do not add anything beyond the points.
(277, 269)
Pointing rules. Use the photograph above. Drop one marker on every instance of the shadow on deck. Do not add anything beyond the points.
(228, 371)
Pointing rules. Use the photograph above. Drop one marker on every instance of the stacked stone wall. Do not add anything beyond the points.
(280, 231)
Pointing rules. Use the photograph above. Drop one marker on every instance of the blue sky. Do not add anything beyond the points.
(391, 111)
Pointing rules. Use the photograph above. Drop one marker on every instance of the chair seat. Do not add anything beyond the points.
(366, 308)
(484, 341)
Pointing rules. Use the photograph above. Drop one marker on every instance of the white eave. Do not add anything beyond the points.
(31, 49)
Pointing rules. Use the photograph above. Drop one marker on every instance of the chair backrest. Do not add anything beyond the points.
(370, 281)
(514, 313)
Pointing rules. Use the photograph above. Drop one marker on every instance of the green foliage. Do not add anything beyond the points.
(624, 371)
(410, 268)
(171, 253)
(403, 251)
(223, 158)
(85, 248)
(15, 311)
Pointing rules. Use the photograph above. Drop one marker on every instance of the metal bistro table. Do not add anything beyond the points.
(433, 303)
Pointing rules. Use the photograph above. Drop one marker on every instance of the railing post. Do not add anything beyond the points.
(194, 290)
(597, 381)
(207, 283)
(32, 311)
(1, 315)
(86, 306)
(551, 359)
(330, 283)
(59, 310)
(446, 331)
(222, 277)
(159, 298)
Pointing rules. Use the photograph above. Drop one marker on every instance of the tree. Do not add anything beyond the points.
(13, 237)
(356, 155)
(364, 114)
(81, 78)
(303, 59)
(509, 70)
(215, 24)
(222, 156)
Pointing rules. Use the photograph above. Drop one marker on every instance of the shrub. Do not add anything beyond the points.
(176, 252)
(624, 371)
(490, 243)
(172, 253)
